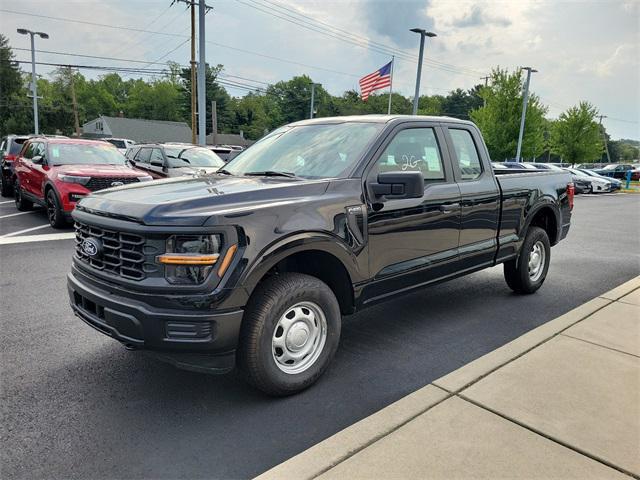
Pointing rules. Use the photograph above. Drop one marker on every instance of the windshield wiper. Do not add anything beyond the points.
(224, 171)
(272, 173)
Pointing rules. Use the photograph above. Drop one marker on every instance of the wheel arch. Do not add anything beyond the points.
(548, 218)
(321, 256)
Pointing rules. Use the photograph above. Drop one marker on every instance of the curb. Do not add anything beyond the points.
(344, 444)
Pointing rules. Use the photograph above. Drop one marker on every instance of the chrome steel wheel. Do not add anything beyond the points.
(537, 258)
(299, 337)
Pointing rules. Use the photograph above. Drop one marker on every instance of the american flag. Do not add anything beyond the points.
(375, 81)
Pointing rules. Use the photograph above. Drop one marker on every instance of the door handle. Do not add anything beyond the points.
(448, 208)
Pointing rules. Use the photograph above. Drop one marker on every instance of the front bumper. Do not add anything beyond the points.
(194, 340)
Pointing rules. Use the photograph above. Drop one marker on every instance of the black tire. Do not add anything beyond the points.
(22, 203)
(54, 210)
(267, 307)
(6, 189)
(517, 272)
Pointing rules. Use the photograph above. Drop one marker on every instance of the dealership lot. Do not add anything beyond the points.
(76, 404)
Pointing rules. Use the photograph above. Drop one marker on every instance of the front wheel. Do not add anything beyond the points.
(527, 273)
(290, 333)
(54, 211)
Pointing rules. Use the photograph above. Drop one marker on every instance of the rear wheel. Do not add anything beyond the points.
(290, 333)
(54, 211)
(6, 189)
(527, 273)
(22, 203)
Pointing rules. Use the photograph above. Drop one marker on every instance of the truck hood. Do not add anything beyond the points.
(191, 201)
(98, 170)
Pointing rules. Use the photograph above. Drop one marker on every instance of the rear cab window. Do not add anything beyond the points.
(466, 152)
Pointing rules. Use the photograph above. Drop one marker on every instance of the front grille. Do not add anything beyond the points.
(100, 183)
(122, 254)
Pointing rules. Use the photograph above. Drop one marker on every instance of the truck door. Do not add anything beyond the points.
(479, 195)
(412, 241)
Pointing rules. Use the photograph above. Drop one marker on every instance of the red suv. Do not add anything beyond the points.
(56, 173)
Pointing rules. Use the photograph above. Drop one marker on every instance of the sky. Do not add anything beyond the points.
(583, 50)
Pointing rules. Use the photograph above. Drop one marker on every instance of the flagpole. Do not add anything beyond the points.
(391, 84)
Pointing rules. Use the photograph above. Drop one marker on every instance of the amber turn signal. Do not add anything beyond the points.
(187, 259)
(226, 261)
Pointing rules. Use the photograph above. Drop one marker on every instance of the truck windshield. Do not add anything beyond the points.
(308, 151)
(80, 154)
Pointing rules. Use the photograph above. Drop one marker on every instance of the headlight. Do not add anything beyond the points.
(190, 258)
(145, 178)
(74, 179)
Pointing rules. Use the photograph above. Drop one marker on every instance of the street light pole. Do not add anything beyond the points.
(34, 83)
(423, 33)
(604, 139)
(525, 99)
(313, 97)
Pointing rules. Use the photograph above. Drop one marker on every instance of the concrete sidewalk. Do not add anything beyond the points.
(562, 401)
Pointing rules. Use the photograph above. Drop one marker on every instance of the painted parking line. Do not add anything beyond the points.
(15, 214)
(13, 234)
(37, 238)
(7, 201)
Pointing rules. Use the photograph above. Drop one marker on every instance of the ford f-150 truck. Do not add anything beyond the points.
(256, 264)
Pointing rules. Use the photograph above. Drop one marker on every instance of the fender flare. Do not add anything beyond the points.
(546, 204)
(282, 248)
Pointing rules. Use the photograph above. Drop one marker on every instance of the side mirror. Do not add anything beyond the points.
(399, 185)
(157, 163)
(38, 159)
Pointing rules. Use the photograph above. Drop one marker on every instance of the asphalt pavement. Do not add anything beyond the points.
(75, 404)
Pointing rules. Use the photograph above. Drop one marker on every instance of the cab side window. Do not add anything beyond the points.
(39, 150)
(467, 154)
(28, 151)
(413, 149)
(143, 155)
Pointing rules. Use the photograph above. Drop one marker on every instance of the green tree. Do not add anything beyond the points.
(14, 105)
(499, 118)
(576, 135)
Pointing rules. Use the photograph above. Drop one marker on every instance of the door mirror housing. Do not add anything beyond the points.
(38, 159)
(157, 163)
(399, 185)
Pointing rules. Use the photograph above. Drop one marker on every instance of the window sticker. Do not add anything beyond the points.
(55, 152)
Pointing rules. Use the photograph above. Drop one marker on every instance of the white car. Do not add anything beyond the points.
(598, 184)
(122, 144)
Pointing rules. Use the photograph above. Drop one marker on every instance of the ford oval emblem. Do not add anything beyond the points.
(117, 184)
(91, 247)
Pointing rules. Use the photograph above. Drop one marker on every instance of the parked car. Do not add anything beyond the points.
(545, 166)
(518, 165)
(56, 173)
(598, 184)
(122, 144)
(319, 218)
(162, 160)
(9, 149)
(615, 183)
(615, 170)
(225, 153)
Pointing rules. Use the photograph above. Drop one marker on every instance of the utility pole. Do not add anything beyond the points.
(486, 84)
(202, 69)
(214, 122)
(313, 97)
(525, 99)
(34, 79)
(423, 33)
(74, 102)
(193, 73)
(604, 139)
(194, 124)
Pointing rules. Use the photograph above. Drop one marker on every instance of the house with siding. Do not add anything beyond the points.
(137, 129)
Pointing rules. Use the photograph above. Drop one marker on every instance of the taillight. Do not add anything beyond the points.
(571, 191)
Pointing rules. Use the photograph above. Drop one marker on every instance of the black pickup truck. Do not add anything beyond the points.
(255, 265)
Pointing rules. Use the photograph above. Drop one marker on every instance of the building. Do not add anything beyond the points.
(137, 129)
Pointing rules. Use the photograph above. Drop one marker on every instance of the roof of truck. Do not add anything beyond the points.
(380, 119)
